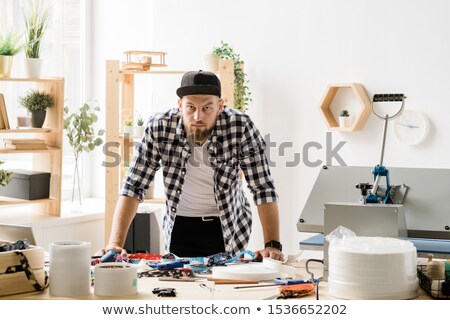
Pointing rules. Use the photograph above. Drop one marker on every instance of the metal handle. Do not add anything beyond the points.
(388, 97)
(316, 283)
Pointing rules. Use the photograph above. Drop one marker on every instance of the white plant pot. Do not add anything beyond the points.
(344, 122)
(33, 67)
(5, 66)
(128, 130)
(139, 131)
(211, 62)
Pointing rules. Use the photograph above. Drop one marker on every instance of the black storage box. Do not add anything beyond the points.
(27, 185)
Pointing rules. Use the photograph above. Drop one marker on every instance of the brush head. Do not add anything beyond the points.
(387, 97)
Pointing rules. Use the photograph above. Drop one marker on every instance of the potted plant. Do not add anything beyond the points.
(5, 176)
(37, 103)
(139, 128)
(36, 21)
(9, 47)
(80, 132)
(128, 127)
(344, 119)
(241, 89)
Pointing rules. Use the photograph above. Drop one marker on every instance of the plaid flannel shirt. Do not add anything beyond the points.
(235, 144)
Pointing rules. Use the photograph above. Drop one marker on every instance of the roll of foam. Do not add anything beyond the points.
(372, 268)
(115, 279)
(70, 273)
(269, 269)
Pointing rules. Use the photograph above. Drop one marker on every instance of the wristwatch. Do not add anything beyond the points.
(273, 244)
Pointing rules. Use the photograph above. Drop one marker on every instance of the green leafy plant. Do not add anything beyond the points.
(5, 176)
(140, 122)
(80, 132)
(9, 44)
(128, 123)
(241, 90)
(36, 100)
(36, 21)
(344, 113)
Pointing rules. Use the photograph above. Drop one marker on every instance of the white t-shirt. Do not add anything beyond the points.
(197, 198)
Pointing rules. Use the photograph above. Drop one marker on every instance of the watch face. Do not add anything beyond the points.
(411, 127)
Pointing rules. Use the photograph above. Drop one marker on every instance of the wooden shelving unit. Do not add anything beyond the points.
(362, 98)
(120, 107)
(50, 159)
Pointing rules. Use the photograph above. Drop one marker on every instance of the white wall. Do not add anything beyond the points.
(293, 50)
(117, 26)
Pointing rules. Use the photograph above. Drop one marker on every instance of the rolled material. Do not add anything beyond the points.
(70, 273)
(269, 269)
(115, 279)
(372, 268)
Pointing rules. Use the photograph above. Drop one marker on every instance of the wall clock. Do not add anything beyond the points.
(411, 127)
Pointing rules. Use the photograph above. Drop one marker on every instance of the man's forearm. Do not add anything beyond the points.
(123, 215)
(269, 216)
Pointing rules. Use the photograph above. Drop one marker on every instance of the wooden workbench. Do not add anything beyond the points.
(193, 290)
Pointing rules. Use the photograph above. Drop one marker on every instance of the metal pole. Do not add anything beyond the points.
(383, 141)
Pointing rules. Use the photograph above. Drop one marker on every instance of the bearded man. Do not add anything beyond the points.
(202, 147)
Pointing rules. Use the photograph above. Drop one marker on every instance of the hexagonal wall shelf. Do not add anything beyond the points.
(361, 96)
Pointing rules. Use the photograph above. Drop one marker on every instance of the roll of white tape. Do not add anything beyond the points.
(276, 265)
(115, 279)
(70, 273)
(269, 269)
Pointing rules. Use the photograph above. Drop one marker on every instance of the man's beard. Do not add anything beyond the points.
(199, 135)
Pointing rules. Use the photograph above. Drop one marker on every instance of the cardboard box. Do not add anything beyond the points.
(17, 282)
(27, 185)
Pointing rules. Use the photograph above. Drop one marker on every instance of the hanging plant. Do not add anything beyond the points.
(241, 90)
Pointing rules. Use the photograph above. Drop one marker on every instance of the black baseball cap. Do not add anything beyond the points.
(199, 82)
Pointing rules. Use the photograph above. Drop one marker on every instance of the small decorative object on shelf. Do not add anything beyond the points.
(344, 119)
(139, 128)
(241, 90)
(37, 102)
(143, 60)
(128, 127)
(36, 17)
(9, 47)
(23, 121)
(80, 131)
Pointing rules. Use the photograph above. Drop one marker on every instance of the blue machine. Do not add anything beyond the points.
(374, 193)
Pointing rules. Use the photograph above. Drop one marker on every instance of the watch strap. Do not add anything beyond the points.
(273, 244)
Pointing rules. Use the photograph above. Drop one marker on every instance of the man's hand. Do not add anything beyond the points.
(269, 253)
(109, 247)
